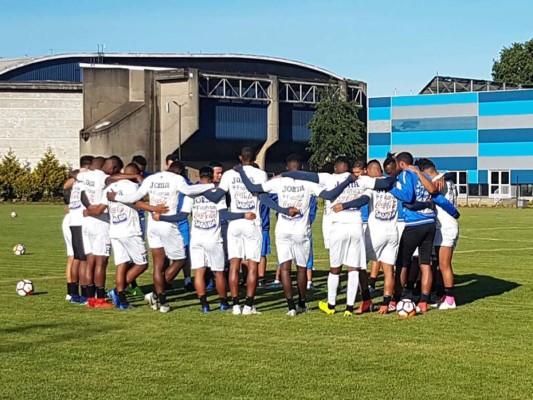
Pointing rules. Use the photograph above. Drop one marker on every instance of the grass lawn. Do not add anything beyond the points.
(51, 349)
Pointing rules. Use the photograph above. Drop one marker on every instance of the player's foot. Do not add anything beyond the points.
(135, 292)
(422, 306)
(164, 308)
(392, 306)
(261, 283)
(292, 313)
(274, 285)
(237, 310)
(101, 303)
(68, 297)
(205, 309)
(151, 301)
(303, 310)
(114, 297)
(123, 306)
(91, 301)
(210, 285)
(434, 300)
(364, 307)
(324, 306)
(76, 299)
(225, 307)
(347, 313)
(448, 304)
(384, 309)
(247, 310)
(311, 287)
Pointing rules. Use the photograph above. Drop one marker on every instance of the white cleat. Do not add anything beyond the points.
(237, 310)
(68, 297)
(292, 313)
(303, 310)
(148, 298)
(446, 306)
(152, 302)
(164, 308)
(247, 310)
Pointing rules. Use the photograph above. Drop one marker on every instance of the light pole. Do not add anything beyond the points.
(179, 125)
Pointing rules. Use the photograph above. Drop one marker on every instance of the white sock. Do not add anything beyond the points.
(333, 285)
(353, 284)
(309, 283)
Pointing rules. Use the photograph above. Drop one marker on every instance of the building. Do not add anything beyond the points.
(485, 137)
(202, 106)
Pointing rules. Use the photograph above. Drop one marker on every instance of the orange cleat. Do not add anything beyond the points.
(383, 309)
(101, 303)
(366, 306)
(91, 301)
(423, 306)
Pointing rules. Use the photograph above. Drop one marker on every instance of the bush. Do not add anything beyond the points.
(10, 170)
(50, 175)
(26, 187)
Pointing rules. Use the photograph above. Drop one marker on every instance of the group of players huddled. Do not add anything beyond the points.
(403, 222)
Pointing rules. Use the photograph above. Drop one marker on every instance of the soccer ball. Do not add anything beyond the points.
(19, 249)
(406, 308)
(13, 214)
(25, 287)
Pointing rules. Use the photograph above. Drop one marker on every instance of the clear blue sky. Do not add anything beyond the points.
(387, 43)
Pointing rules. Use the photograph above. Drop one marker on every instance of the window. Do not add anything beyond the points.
(525, 190)
(478, 190)
(460, 180)
(500, 184)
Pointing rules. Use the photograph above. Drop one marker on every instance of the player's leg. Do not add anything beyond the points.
(338, 243)
(253, 239)
(199, 285)
(78, 256)
(445, 267)
(366, 305)
(158, 256)
(284, 247)
(101, 250)
(310, 265)
(265, 252)
(217, 262)
(351, 290)
(234, 267)
(388, 287)
(136, 264)
(408, 244)
(374, 272)
(302, 254)
(427, 233)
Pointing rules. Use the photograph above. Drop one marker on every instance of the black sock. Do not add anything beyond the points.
(100, 292)
(424, 297)
(84, 290)
(291, 304)
(168, 286)
(448, 291)
(122, 298)
(249, 301)
(417, 290)
(365, 293)
(235, 301)
(203, 301)
(410, 285)
(386, 300)
(72, 288)
(162, 298)
(349, 308)
(331, 306)
(301, 303)
(224, 301)
(133, 284)
(91, 291)
(372, 282)
(441, 290)
(395, 298)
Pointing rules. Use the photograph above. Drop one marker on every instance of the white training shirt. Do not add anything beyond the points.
(123, 218)
(164, 188)
(241, 199)
(293, 193)
(94, 184)
(382, 211)
(445, 220)
(75, 206)
(205, 225)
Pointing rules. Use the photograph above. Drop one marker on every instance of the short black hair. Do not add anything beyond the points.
(118, 161)
(391, 159)
(177, 167)
(359, 164)
(139, 160)
(247, 154)
(425, 164)
(98, 161)
(374, 161)
(328, 168)
(216, 164)
(294, 158)
(133, 166)
(85, 161)
(172, 157)
(206, 172)
(405, 157)
(342, 160)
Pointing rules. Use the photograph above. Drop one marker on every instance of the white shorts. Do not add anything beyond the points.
(207, 255)
(293, 247)
(245, 240)
(446, 237)
(129, 249)
(347, 246)
(96, 237)
(166, 235)
(326, 229)
(382, 245)
(67, 235)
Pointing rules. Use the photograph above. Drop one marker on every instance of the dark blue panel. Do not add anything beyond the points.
(522, 176)
(505, 135)
(379, 102)
(379, 139)
(68, 72)
(509, 95)
(241, 122)
(300, 124)
(483, 177)
(434, 124)
(455, 163)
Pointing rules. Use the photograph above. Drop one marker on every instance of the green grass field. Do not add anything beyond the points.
(51, 349)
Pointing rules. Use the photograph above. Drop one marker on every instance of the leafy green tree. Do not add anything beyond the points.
(335, 129)
(25, 186)
(10, 170)
(515, 64)
(50, 174)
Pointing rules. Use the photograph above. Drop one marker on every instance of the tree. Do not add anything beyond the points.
(25, 186)
(515, 64)
(335, 129)
(50, 175)
(10, 170)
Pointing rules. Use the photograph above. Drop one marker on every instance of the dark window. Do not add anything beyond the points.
(505, 178)
(473, 190)
(484, 189)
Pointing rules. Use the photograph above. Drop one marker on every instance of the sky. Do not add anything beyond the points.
(390, 44)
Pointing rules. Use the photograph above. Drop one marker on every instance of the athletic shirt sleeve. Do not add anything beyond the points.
(366, 182)
(272, 186)
(314, 188)
(187, 204)
(225, 181)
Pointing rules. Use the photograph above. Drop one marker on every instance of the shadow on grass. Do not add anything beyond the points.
(472, 287)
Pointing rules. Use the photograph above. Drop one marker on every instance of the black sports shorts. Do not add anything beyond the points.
(421, 236)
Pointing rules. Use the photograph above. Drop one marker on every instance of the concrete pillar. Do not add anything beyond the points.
(272, 120)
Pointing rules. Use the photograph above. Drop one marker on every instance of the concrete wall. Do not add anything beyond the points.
(32, 120)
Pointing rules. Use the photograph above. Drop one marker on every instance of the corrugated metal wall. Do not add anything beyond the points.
(68, 72)
(238, 121)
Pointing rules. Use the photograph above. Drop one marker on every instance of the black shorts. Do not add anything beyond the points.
(77, 243)
(413, 237)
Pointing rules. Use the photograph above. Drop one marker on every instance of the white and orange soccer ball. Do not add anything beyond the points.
(25, 287)
(406, 308)
(19, 249)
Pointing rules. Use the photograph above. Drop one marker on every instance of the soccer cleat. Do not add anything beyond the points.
(225, 307)
(114, 297)
(205, 309)
(189, 286)
(392, 306)
(384, 309)
(347, 313)
(151, 301)
(237, 310)
(247, 310)
(210, 285)
(303, 310)
(274, 285)
(445, 305)
(68, 297)
(422, 306)
(148, 298)
(366, 306)
(261, 283)
(311, 287)
(434, 301)
(324, 306)
(101, 303)
(164, 308)
(90, 302)
(136, 292)
(292, 313)
(76, 299)
(123, 306)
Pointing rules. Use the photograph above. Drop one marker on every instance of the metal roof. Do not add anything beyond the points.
(450, 84)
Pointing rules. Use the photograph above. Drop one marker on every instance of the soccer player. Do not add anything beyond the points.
(446, 236)
(164, 238)
(206, 240)
(244, 236)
